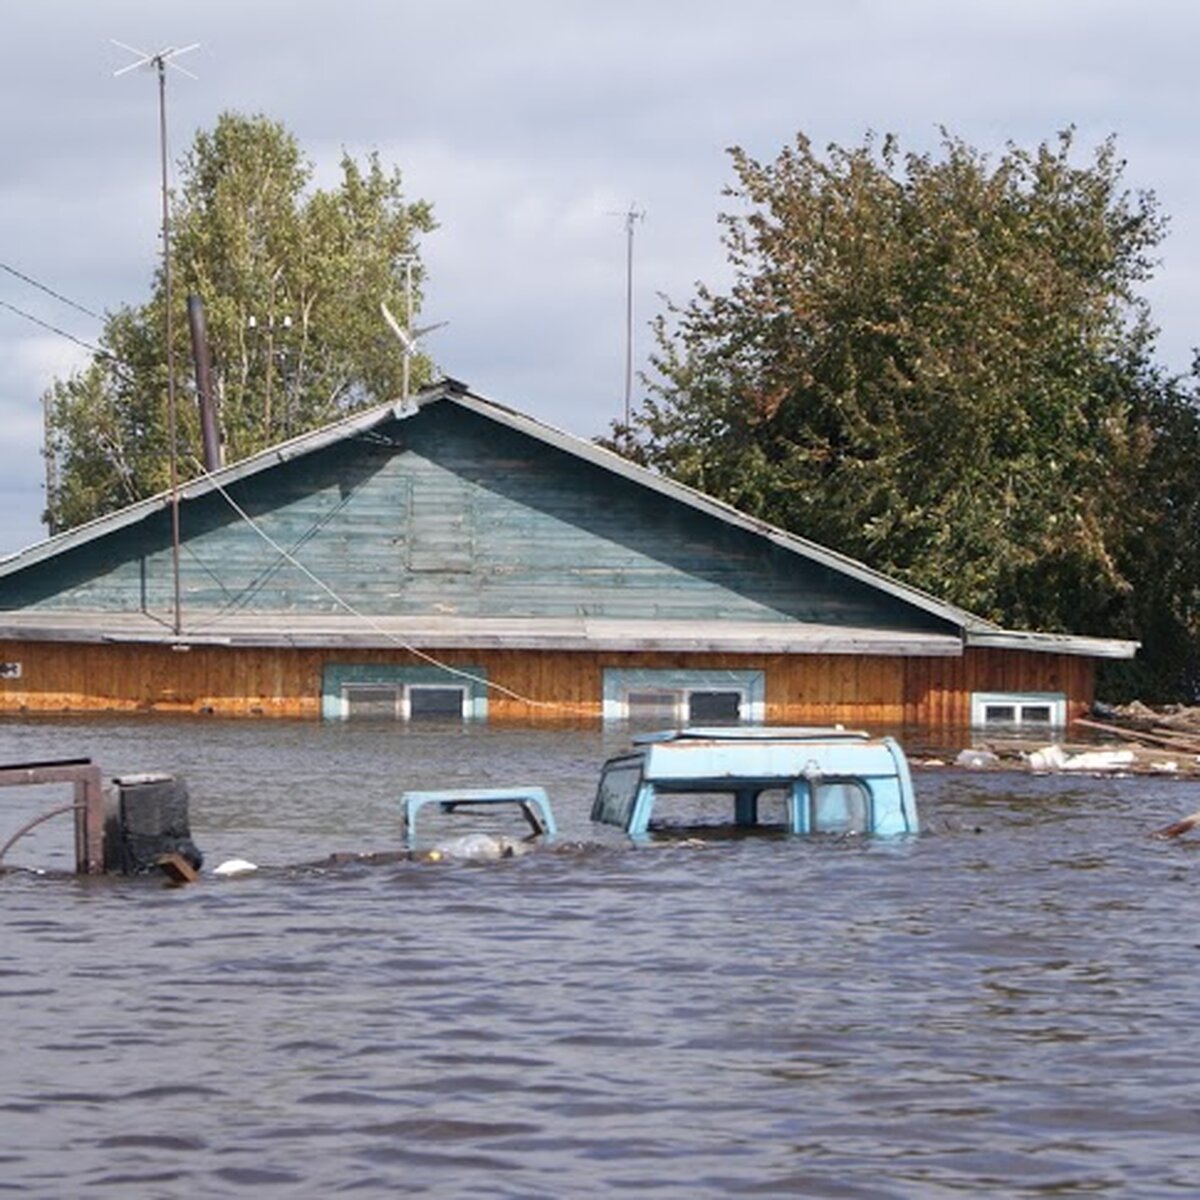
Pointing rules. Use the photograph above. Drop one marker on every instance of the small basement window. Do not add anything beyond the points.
(1030, 711)
(371, 701)
(683, 697)
(714, 708)
(435, 703)
(646, 706)
(386, 691)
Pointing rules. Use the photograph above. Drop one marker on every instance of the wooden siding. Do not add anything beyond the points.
(926, 693)
(448, 513)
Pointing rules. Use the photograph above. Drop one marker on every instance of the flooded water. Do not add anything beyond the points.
(1003, 1006)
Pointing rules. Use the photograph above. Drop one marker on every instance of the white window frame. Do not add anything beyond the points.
(1056, 702)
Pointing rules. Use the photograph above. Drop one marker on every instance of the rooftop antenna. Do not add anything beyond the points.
(406, 334)
(631, 217)
(158, 61)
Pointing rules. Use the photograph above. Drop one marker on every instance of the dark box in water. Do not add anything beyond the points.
(147, 818)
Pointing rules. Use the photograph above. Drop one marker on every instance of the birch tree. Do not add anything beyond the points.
(291, 278)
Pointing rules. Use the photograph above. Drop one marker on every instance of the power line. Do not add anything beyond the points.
(55, 329)
(122, 368)
(50, 291)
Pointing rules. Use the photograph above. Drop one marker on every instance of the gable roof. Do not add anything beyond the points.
(973, 630)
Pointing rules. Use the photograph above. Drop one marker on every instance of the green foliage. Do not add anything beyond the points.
(291, 279)
(937, 364)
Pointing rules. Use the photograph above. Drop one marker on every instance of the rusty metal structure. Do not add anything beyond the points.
(88, 805)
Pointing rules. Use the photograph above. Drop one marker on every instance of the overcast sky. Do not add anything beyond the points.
(531, 125)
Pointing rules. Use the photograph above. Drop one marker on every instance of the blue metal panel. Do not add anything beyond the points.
(533, 801)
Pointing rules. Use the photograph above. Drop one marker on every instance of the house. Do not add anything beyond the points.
(454, 557)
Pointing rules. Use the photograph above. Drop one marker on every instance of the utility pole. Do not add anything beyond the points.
(159, 61)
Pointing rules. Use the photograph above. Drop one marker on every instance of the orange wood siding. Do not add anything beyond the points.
(818, 689)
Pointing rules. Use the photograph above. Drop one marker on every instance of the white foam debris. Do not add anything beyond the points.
(479, 847)
(1055, 758)
(234, 866)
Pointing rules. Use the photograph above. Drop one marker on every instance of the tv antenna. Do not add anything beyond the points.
(631, 217)
(406, 334)
(158, 61)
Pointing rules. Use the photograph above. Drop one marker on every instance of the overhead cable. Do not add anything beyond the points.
(50, 291)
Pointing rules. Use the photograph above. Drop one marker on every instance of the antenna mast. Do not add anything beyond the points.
(631, 217)
(159, 61)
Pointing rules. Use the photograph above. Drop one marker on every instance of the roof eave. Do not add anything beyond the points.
(297, 447)
(1052, 643)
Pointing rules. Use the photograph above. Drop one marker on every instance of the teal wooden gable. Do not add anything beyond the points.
(445, 511)
(460, 522)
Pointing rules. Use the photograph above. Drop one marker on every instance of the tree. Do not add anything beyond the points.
(936, 363)
(291, 279)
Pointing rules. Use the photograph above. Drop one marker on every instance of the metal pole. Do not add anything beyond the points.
(408, 324)
(161, 63)
(629, 218)
(633, 215)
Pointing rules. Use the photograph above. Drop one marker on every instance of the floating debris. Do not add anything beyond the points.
(976, 760)
(476, 847)
(1179, 827)
(234, 866)
(1055, 758)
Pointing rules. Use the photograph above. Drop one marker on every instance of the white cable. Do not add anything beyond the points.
(370, 621)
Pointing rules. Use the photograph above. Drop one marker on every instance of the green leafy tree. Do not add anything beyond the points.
(1161, 554)
(291, 278)
(937, 363)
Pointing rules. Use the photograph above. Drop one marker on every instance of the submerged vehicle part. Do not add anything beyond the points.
(532, 801)
(823, 780)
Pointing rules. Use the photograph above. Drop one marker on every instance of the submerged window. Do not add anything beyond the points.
(371, 701)
(680, 809)
(351, 691)
(684, 697)
(435, 702)
(840, 806)
(646, 705)
(1019, 710)
(707, 708)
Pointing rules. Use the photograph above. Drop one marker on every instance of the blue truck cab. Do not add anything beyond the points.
(798, 780)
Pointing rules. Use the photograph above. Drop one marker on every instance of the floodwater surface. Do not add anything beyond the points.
(1002, 1006)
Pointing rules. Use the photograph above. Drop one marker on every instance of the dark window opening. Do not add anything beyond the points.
(1001, 714)
(434, 703)
(708, 708)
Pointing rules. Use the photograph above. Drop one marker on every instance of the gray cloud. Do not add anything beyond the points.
(530, 125)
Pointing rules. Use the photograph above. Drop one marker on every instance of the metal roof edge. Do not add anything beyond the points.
(1053, 643)
(304, 443)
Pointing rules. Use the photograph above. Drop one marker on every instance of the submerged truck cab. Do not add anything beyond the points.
(813, 781)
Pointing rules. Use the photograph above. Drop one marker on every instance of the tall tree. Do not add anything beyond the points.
(291, 278)
(937, 363)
